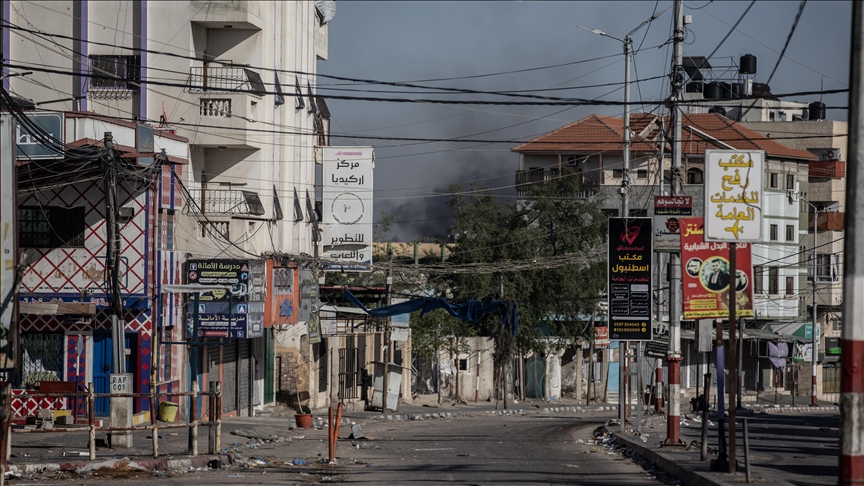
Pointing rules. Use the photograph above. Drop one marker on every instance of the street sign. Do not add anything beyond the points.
(35, 147)
(658, 346)
(630, 279)
(733, 195)
(668, 211)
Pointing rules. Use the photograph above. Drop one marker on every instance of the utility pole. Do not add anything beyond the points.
(852, 384)
(507, 359)
(112, 259)
(815, 343)
(388, 345)
(673, 423)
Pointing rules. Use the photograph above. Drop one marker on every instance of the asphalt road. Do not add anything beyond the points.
(527, 450)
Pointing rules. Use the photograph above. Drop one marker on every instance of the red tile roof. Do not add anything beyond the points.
(599, 133)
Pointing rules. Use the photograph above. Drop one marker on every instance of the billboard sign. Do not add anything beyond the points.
(705, 274)
(733, 195)
(8, 240)
(347, 207)
(630, 279)
(601, 336)
(668, 211)
(219, 320)
(220, 272)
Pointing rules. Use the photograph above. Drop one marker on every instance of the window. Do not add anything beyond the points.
(617, 173)
(695, 176)
(122, 73)
(790, 232)
(790, 285)
(827, 268)
(773, 280)
(50, 227)
(759, 279)
(803, 258)
(641, 174)
(790, 182)
(773, 232)
(41, 357)
(463, 364)
(169, 231)
(773, 180)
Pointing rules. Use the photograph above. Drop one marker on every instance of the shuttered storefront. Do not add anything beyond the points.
(244, 346)
(229, 377)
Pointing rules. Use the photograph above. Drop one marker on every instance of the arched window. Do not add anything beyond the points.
(694, 176)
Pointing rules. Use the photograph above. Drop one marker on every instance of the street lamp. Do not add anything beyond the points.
(624, 190)
(813, 340)
(628, 52)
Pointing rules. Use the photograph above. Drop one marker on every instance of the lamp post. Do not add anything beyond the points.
(624, 191)
(813, 339)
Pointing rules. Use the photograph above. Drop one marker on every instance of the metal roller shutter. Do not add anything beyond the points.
(244, 382)
(229, 377)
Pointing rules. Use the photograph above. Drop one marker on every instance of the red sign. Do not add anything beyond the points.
(705, 274)
(601, 337)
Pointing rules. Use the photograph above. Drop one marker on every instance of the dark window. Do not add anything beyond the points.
(122, 72)
(41, 358)
(773, 180)
(773, 232)
(695, 176)
(790, 232)
(641, 174)
(773, 280)
(617, 173)
(463, 364)
(169, 232)
(827, 268)
(790, 182)
(759, 279)
(50, 227)
(790, 285)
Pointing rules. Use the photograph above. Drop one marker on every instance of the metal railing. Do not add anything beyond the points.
(527, 179)
(226, 202)
(213, 423)
(218, 79)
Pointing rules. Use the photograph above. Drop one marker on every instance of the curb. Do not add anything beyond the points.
(147, 464)
(687, 476)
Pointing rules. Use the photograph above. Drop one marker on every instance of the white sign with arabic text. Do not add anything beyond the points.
(733, 195)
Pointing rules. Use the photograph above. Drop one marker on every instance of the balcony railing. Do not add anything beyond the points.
(830, 169)
(217, 107)
(528, 179)
(225, 80)
(226, 202)
(828, 221)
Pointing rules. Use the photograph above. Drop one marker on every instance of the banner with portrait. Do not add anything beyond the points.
(705, 274)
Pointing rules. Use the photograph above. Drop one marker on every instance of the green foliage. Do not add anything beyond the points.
(549, 224)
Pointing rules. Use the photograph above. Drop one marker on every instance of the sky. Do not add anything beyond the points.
(414, 41)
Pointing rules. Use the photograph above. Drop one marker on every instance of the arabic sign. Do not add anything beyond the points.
(347, 207)
(630, 279)
(705, 274)
(733, 195)
(219, 272)
(8, 239)
(217, 319)
(32, 147)
(308, 293)
(667, 225)
(601, 336)
(658, 346)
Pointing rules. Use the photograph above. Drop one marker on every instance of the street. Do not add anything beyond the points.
(535, 449)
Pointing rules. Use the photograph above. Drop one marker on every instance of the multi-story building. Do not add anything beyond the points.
(236, 80)
(591, 149)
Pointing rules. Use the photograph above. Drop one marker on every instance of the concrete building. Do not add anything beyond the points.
(236, 80)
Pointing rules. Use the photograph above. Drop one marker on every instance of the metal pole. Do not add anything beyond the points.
(733, 362)
(91, 419)
(852, 384)
(193, 366)
(815, 343)
(703, 452)
(387, 343)
(673, 424)
(625, 174)
(746, 451)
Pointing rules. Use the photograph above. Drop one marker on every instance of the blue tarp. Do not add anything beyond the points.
(471, 311)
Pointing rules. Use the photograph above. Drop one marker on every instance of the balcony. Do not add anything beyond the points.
(828, 169)
(223, 79)
(528, 179)
(225, 202)
(828, 221)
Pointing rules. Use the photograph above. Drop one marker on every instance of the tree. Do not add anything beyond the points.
(562, 235)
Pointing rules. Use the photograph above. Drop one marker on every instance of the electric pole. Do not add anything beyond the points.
(112, 259)
(673, 423)
(388, 345)
(852, 384)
